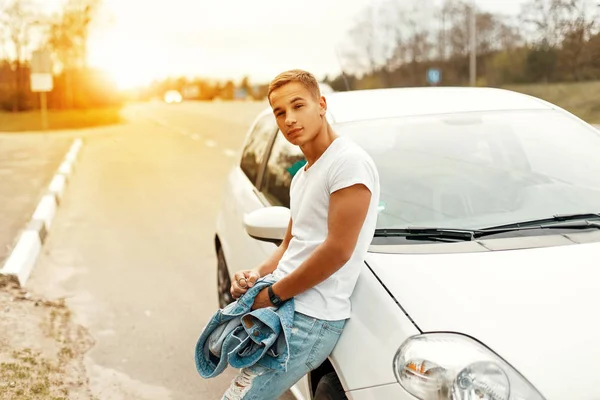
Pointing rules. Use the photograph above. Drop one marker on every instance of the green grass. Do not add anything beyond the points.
(581, 98)
(29, 377)
(59, 120)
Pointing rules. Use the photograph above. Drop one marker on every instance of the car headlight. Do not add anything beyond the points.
(446, 366)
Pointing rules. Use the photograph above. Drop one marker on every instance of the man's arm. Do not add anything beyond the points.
(348, 209)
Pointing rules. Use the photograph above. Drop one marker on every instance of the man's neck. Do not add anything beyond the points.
(314, 149)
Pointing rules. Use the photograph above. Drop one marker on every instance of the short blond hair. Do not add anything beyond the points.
(307, 80)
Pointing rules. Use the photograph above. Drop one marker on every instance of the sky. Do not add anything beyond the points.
(137, 41)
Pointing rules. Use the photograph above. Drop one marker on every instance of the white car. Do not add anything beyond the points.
(482, 280)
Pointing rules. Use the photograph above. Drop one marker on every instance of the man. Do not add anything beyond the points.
(333, 202)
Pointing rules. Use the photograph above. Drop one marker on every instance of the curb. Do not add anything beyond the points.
(22, 259)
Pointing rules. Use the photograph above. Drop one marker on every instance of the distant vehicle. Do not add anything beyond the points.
(482, 279)
(173, 96)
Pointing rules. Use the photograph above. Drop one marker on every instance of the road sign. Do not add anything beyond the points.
(41, 71)
(240, 94)
(434, 76)
(41, 82)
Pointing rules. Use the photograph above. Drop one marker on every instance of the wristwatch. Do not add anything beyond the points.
(276, 300)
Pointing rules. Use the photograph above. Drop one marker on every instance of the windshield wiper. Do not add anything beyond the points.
(542, 221)
(465, 235)
(436, 234)
(577, 225)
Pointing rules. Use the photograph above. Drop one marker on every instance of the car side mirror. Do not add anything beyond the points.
(268, 224)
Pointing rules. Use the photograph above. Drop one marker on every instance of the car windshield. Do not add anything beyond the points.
(476, 170)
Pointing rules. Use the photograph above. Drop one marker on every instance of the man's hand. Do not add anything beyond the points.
(242, 281)
(262, 300)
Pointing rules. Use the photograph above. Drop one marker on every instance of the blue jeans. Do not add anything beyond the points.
(312, 341)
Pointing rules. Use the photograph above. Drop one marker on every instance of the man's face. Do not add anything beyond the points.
(299, 115)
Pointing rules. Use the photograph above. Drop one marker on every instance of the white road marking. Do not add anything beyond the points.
(46, 210)
(23, 257)
(211, 143)
(195, 136)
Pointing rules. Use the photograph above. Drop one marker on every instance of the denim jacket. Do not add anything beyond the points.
(239, 336)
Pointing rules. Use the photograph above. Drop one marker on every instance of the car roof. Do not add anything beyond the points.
(362, 105)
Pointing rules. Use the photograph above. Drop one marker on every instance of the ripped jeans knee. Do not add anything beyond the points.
(241, 384)
(312, 341)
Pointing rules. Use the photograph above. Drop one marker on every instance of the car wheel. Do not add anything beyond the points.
(330, 388)
(223, 280)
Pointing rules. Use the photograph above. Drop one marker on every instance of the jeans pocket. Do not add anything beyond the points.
(335, 326)
(324, 343)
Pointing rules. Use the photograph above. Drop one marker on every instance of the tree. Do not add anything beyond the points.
(68, 36)
(592, 54)
(387, 37)
(17, 22)
(506, 66)
(395, 43)
(541, 63)
(228, 90)
(245, 84)
(551, 20)
(509, 37)
(576, 60)
(457, 17)
(371, 41)
(559, 31)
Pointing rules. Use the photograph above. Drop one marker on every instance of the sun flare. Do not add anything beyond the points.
(130, 63)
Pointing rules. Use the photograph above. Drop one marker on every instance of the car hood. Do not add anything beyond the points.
(536, 308)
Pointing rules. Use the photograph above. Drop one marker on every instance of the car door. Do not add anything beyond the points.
(283, 161)
(241, 196)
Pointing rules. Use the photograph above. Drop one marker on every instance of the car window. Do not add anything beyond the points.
(283, 163)
(474, 170)
(256, 146)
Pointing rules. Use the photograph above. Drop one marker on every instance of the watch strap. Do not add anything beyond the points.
(276, 300)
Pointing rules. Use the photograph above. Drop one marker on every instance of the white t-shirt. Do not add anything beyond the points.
(343, 164)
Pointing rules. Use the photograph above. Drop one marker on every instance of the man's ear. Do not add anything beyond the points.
(323, 106)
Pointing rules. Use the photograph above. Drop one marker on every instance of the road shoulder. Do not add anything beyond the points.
(42, 357)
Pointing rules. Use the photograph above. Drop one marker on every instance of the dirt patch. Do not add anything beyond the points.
(41, 349)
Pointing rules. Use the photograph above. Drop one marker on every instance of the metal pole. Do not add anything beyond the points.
(473, 36)
(44, 110)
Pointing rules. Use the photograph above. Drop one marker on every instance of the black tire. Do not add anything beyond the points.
(330, 388)
(223, 280)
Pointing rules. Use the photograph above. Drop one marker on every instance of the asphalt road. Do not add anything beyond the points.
(131, 247)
